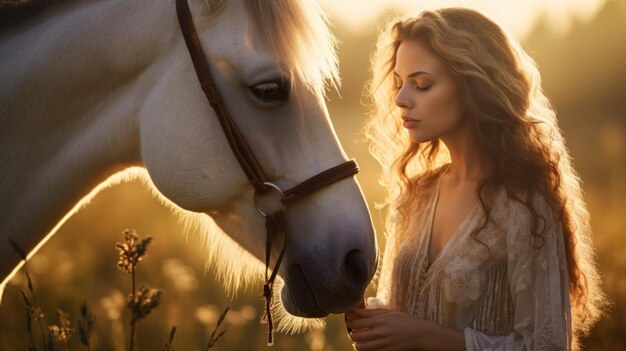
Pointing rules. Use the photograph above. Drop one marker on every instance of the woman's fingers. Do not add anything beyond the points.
(361, 323)
(363, 335)
(350, 315)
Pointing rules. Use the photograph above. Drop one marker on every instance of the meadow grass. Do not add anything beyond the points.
(140, 302)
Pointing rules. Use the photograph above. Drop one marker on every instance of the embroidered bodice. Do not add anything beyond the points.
(495, 285)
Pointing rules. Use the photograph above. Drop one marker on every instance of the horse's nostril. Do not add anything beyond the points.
(356, 269)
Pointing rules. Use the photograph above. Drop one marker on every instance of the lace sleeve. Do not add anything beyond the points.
(539, 287)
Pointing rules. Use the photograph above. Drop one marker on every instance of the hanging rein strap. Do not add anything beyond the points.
(275, 223)
(275, 226)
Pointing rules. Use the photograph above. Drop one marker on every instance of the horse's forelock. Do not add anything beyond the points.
(298, 33)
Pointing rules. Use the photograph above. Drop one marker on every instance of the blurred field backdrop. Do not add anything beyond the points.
(584, 72)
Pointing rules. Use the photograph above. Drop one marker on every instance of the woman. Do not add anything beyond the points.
(488, 235)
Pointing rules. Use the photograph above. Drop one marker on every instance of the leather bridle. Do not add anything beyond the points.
(275, 221)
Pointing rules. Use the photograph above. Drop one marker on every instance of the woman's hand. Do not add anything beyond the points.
(382, 329)
(386, 330)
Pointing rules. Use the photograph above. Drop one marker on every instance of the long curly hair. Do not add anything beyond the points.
(513, 123)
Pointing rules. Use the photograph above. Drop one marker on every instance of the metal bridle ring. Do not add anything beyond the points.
(277, 190)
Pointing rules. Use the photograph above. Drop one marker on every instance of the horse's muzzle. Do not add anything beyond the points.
(312, 291)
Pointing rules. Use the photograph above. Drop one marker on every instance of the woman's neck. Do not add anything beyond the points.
(468, 163)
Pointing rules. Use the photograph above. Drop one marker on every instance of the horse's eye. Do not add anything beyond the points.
(272, 91)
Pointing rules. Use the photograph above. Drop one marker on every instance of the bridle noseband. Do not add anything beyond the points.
(274, 220)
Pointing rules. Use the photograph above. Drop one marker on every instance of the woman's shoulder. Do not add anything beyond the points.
(521, 213)
(525, 204)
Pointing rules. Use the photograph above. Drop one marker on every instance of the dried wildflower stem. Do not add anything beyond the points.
(85, 325)
(130, 252)
(168, 345)
(30, 311)
(30, 329)
(43, 337)
(32, 291)
(62, 332)
(212, 338)
(35, 307)
(132, 312)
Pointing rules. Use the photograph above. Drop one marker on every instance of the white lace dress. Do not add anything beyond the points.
(510, 296)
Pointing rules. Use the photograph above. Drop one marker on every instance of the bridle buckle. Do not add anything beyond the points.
(264, 203)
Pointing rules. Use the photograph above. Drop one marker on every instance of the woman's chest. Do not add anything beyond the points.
(453, 209)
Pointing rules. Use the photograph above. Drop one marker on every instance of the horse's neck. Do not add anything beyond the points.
(72, 86)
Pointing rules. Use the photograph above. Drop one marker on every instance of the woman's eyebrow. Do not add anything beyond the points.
(414, 74)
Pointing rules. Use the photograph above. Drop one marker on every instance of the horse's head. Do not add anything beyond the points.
(271, 62)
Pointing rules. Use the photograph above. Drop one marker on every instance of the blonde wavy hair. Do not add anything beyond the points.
(513, 123)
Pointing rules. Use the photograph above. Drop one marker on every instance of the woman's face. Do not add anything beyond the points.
(428, 94)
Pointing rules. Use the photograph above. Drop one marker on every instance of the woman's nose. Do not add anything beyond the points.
(403, 100)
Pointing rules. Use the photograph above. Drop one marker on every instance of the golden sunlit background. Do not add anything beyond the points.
(580, 48)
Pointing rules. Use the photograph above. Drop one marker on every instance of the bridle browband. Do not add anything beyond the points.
(275, 221)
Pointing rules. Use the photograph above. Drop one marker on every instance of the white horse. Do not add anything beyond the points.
(91, 90)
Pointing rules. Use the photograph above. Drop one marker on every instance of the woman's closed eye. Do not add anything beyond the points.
(422, 84)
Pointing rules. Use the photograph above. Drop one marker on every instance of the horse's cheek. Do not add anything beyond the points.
(187, 169)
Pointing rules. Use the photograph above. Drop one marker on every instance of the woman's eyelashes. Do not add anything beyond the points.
(422, 84)
(419, 85)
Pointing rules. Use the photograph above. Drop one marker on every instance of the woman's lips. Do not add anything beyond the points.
(409, 123)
